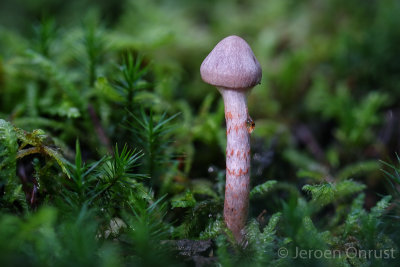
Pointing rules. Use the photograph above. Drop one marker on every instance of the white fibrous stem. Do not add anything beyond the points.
(237, 161)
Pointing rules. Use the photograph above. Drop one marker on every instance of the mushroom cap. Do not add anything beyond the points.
(232, 65)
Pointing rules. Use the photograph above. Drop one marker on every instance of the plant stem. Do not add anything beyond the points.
(237, 161)
(101, 134)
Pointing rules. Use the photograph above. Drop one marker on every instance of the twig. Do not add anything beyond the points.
(99, 129)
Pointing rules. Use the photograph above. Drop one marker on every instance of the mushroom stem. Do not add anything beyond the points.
(237, 161)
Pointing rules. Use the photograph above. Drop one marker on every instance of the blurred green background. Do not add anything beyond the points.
(330, 83)
(326, 110)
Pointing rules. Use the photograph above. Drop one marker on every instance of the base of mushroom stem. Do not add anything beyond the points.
(239, 235)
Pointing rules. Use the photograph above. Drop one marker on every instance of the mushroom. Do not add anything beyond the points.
(232, 67)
